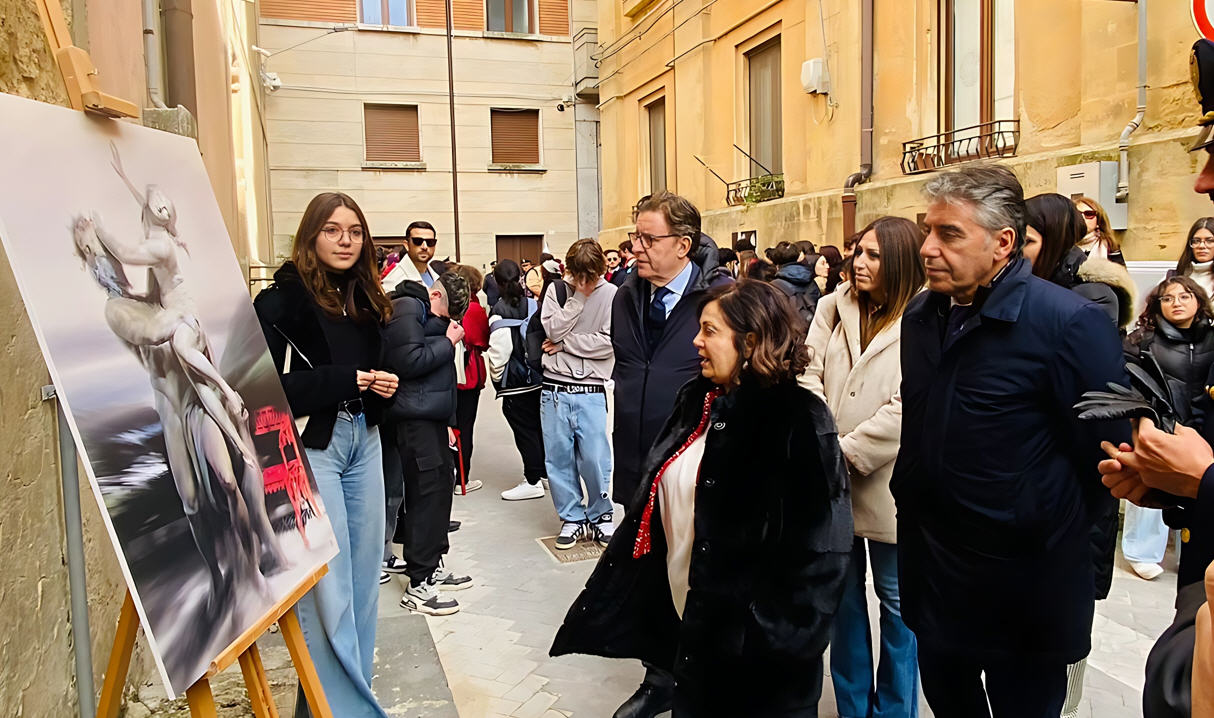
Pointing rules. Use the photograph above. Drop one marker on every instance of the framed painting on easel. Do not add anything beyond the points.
(143, 315)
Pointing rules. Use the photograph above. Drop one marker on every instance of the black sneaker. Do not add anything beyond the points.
(571, 533)
(393, 565)
(452, 526)
(425, 598)
(603, 529)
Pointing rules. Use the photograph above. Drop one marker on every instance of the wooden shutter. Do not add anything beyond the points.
(315, 10)
(516, 136)
(554, 17)
(391, 133)
(465, 14)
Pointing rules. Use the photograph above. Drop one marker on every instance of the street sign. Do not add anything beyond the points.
(1203, 17)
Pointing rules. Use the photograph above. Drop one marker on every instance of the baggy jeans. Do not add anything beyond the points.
(575, 444)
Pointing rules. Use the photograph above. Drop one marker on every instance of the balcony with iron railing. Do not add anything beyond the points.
(754, 190)
(988, 140)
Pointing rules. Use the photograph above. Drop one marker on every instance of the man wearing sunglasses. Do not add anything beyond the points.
(420, 241)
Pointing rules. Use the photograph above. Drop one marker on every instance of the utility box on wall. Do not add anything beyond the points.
(1097, 180)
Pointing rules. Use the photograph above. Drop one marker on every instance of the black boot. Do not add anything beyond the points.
(649, 700)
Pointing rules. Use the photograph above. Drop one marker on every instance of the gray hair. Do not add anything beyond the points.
(992, 191)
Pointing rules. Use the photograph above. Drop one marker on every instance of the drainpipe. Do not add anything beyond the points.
(153, 60)
(866, 121)
(1123, 168)
(178, 28)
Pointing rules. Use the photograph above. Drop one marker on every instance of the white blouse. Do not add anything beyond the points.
(677, 499)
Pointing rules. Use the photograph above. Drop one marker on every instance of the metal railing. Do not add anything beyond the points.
(754, 190)
(988, 140)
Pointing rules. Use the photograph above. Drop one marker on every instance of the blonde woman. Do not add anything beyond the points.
(1099, 240)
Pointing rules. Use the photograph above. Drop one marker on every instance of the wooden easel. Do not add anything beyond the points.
(244, 649)
(78, 76)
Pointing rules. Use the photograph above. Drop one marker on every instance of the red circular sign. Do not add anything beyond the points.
(1203, 17)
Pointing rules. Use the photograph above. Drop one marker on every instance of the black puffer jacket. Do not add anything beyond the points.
(314, 385)
(773, 533)
(1102, 281)
(1186, 356)
(419, 352)
(797, 282)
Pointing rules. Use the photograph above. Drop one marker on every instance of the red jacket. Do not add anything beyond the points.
(476, 341)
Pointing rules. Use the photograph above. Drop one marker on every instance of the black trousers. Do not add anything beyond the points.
(467, 401)
(522, 412)
(394, 482)
(428, 467)
(1024, 688)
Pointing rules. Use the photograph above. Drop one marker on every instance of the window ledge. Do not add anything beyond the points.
(504, 167)
(515, 35)
(388, 28)
(394, 165)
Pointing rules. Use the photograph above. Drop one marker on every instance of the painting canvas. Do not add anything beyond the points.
(144, 318)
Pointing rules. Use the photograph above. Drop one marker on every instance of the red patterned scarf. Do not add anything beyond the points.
(643, 542)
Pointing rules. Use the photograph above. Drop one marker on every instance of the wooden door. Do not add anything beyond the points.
(520, 246)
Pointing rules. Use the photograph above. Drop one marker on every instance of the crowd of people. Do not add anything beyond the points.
(789, 421)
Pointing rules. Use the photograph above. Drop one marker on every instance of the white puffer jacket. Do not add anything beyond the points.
(862, 390)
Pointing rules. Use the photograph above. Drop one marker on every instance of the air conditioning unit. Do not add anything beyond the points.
(1097, 180)
(814, 77)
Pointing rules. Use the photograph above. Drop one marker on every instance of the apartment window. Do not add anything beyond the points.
(766, 133)
(515, 136)
(980, 62)
(392, 133)
(509, 16)
(386, 12)
(656, 114)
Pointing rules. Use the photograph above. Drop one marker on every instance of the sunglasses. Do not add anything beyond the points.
(1089, 214)
(419, 241)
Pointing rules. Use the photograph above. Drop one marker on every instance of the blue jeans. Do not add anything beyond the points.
(1145, 536)
(851, 657)
(338, 616)
(575, 442)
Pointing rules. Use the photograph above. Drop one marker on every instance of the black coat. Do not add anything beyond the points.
(773, 533)
(1186, 357)
(645, 383)
(419, 352)
(797, 282)
(315, 385)
(996, 484)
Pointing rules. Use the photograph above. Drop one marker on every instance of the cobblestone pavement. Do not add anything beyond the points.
(495, 651)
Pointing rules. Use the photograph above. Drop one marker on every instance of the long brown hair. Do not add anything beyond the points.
(1185, 265)
(753, 307)
(1104, 234)
(902, 274)
(1149, 319)
(318, 280)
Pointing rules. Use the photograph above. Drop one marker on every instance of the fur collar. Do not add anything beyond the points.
(1116, 277)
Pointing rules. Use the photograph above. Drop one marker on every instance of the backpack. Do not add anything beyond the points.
(519, 376)
(804, 302)
(535, 330)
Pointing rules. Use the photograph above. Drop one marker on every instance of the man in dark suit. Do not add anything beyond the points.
(627, 266)
(995, 483)
(654, 317)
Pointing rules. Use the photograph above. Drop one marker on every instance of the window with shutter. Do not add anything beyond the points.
(515, 136)
(766, 136)
(510, 16)
(311, 10)
(465, 14)
(388, 13)
(392, 133)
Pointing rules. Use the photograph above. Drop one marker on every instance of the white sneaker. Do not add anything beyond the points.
(1148, 571)
(473, 485)
(523, 491)
(603, 530)
(425, 598)
(571, 533)
(448, 580)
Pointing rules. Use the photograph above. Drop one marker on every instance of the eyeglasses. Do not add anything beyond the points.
(333, 234)
(647, 240)
(1089, 214)
(419, 241)
(1201, 242)
(1173, 298)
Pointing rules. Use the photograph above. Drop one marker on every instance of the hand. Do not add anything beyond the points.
(365, 379)
(455, 333)
(551, 348)
(1173, 463)
(385, 384)
(450, 437)
(1123, 482)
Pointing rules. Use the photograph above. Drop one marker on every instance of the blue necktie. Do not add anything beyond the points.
(655, 318)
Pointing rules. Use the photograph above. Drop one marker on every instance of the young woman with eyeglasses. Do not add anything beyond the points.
(1197, 259)
(323, 319)
(1099, 240)
(1176, 330)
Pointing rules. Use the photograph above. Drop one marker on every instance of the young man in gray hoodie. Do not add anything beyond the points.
(578, 360)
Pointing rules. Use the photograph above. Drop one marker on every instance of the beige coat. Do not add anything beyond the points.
(862, 390)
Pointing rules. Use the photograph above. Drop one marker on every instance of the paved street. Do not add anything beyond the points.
(495, 651)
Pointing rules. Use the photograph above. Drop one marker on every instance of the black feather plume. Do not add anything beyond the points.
(1147, 396)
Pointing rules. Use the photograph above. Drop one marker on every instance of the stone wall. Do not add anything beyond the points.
(37, 673)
